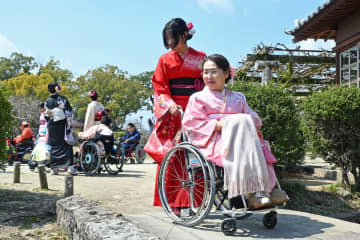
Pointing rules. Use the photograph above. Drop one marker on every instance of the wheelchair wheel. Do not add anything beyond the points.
(113, 165)
(186, 185)
(139, 153)
(90, 159)
(270, 220)
(228, 226)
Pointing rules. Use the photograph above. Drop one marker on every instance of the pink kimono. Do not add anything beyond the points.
(204, 110)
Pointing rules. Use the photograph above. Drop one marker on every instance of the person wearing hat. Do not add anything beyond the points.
(92, 108)
(60, 114)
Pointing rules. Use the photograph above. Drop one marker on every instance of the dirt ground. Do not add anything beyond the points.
(28, 213)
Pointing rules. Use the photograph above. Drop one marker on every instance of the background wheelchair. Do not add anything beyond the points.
(186, 173)
(98, 151)
(17, 151)
(134, 154)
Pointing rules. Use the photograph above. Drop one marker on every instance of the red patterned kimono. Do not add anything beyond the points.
(174, 80)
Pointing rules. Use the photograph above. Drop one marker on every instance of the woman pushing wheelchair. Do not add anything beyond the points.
(227, 131)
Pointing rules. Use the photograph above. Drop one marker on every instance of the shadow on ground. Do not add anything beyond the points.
(296, 227)
(25, 208)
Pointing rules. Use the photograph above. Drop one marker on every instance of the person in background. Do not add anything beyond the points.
(130, 139)
(24, 140)
(26, 136)
(41, 151)
(59, 112)
(92, 108)
(42, 135)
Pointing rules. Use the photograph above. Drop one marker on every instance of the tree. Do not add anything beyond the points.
(121, 94)
(333, 121)
(24, 109)
(5, 126)
(28, 85)
(16, 64)
(58, 74)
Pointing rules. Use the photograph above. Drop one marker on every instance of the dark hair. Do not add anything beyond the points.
(176, 27)
(105, 120)
(221, 62)
(131, 125)
(42, 105)
(52, 87)
(93, 95)
(107, 110)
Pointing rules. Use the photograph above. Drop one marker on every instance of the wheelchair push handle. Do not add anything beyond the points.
(181, 111)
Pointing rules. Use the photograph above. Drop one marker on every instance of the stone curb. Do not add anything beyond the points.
(83, 219)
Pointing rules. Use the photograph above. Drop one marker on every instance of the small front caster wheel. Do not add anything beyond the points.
(269, 220)
(228, 226)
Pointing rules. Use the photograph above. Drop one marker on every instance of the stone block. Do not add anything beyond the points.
(86, 220)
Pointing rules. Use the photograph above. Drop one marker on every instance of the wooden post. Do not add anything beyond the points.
(17, 172)
(69, 186)
(267, 70)
(43, 177)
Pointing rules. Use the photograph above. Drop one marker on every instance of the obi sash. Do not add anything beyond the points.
(185, 86)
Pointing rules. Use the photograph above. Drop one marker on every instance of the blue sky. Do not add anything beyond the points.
(84, 35)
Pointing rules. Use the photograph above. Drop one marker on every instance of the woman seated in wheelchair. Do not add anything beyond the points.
(101, 132)
(227, 131)
(130, 139)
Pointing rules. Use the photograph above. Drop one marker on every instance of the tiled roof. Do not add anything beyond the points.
(304, 21)
(323, 23)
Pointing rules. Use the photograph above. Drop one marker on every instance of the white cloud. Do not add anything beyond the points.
(311, 44)
(6, 47)
(210, 5)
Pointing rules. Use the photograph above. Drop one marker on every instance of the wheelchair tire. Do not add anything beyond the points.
(270, 220)
(228, 226)
(113, 166)
(191, 177)
(140, 153)
(90, 159)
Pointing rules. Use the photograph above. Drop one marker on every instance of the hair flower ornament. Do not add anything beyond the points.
(191, 28)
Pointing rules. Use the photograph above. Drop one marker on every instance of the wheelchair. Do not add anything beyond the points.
(201, 185)
(133, 155)
(97, 152)
(17, 152)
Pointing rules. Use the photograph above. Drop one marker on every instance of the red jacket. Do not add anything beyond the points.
(27, 133)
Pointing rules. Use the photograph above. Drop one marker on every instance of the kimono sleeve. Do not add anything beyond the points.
(196, 123)
(162, 94)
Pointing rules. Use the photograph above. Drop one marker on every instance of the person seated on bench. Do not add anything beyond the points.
(226, 130)
(130, 139)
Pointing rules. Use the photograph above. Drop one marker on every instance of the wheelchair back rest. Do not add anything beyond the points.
(107, 140)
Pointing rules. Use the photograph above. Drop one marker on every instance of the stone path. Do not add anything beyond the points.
(130, 193)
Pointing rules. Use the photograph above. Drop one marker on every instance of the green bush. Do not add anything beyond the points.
(5, 127)
(333, 121)
(281, 121)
